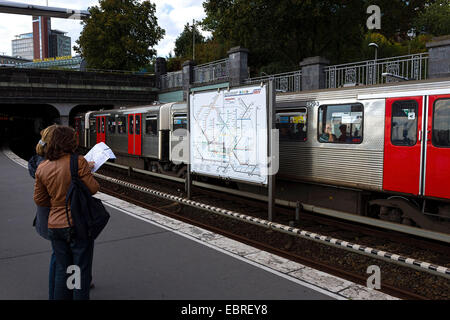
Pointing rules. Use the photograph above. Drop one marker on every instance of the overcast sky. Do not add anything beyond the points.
(172, 16)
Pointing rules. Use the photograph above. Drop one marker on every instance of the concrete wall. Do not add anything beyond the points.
(439, 57)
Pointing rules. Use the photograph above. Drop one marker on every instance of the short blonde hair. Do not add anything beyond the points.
(46, 135)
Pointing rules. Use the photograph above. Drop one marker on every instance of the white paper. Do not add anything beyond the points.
(100, 153)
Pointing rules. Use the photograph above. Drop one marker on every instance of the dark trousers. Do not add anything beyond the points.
(78, 253)
(51, 277)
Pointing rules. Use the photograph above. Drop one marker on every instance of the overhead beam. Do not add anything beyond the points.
(33, 10)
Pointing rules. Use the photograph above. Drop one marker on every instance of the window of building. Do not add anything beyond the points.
(341, 123)
(441, 123)
(404, 123)
(292, 125)
(121, 125)
(151, 125)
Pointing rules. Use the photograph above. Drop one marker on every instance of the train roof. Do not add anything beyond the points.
(397, 89)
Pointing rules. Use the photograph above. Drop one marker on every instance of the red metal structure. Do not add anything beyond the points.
(135, 134)
(437, 173)
(402, 153)
(101, 126)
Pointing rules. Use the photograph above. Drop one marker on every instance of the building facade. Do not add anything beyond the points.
(43, 43)
(60, 45)
(23, 46)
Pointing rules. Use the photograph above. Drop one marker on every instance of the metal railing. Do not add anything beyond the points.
(210, 72)
(172, 80)
(371, 72)
(284, 82)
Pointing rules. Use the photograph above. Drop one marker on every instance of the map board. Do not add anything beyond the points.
(228, 134)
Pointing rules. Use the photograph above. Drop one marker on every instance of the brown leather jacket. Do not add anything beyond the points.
(51, 186)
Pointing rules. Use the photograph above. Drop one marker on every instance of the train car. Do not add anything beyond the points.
(377, 152)
(380, 151)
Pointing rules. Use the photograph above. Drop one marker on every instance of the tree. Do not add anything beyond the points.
(183, 44)
(434, 19)
(119, 35)
(280, 34)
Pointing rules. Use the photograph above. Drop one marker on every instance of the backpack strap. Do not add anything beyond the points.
(74, 175)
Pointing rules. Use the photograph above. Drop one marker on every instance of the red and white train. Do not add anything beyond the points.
(378, 155)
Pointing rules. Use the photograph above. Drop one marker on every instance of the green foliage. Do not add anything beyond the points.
(207, 51)
(280, 34)
(183, 44)
(390, 48)
(119, 35)
(434, 19)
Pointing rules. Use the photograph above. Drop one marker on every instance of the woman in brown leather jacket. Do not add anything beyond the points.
(52, 183)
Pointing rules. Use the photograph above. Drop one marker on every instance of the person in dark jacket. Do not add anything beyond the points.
(41, 219)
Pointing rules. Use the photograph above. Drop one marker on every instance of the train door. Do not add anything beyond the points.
(78, 129)
(437, 173)
(135, 134)
(403, 145)
(101, 124)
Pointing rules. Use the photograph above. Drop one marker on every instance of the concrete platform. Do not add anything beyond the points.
(144, 255)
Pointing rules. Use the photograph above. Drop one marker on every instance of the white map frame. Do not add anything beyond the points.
(228, 134)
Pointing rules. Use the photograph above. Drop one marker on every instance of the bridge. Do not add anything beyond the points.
(33, 10)
(65, 90)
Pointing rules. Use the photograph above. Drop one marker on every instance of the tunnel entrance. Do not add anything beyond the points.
(85, 108)
(20, 126)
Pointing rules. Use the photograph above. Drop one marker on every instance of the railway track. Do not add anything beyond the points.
(284, 215)
(284, 247)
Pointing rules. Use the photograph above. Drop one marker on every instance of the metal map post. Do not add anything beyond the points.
(188, 185)
(271, 177)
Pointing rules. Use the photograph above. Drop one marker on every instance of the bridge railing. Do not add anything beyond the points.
(371, 72)
(284, 82)
(210, 72)
(63, 78)
(171, 80)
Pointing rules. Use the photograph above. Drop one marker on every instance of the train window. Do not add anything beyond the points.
(121, 125)
(111, 125)
(404, 123)
(180, 122)
(131, 125)
(151, 125)
(92, 124)
(441, 123)
(292, 125)
(103, 124)
(341, 123)
(99, 130)
(138, 124)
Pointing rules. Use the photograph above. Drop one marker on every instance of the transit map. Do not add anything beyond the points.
(229, 134)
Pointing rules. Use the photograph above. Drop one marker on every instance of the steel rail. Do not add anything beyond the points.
(423, 233)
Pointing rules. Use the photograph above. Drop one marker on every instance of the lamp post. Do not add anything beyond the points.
(193, 39)
(372, 44)
(375, 68)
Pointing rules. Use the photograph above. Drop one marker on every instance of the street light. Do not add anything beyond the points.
(193, 39)
(372, 44)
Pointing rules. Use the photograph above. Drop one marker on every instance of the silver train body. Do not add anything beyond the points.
(340, 176)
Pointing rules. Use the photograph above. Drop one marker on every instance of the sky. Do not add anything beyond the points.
(172, 16)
